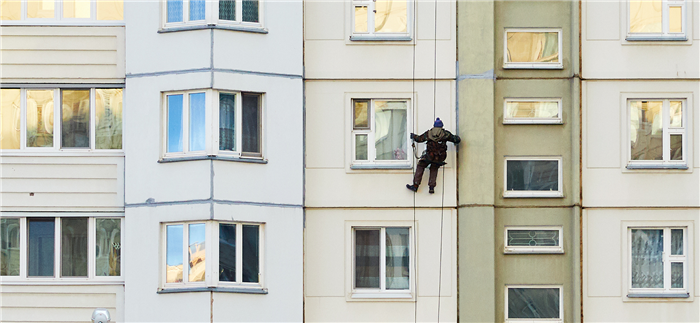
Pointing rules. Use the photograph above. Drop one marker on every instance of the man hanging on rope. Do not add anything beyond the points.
(435, 155)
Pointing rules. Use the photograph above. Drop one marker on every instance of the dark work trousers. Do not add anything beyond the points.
(422, 164)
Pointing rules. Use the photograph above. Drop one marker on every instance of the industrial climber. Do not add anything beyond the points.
(434, 155)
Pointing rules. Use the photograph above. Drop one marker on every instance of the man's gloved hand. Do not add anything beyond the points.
(457, 139)
(413, 136)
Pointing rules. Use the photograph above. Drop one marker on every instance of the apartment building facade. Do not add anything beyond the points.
(640, 160)
(374, 73)
(518, 174)
(62, 164)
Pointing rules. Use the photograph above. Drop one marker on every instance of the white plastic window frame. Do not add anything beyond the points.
(371, 161)
(532, 194)
(559, 249)
(667, 260)
(557, 120)
(371, 34)
(665, 23)
(211, 16)
(208, 126)
(57, 122)
(666, 162)
(211, 256)
(382, 292)
(532, 65)
(58, 17)
(91, 278)
(535, 320)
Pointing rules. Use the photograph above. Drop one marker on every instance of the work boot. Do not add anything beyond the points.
(432, 190)
(413, 187)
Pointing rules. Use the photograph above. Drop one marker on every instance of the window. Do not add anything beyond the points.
(658, 261)
(87, 248)
(86, 119)
(233, 250)
(379, 134)
(61, 11)
(532, 48)
(657, 19)
(223, 12)
(383, 19)
(382, 262)
(533, 177)
(533, 240)
(239, 116)
(532, 111)
(657, 133)
(531, 303)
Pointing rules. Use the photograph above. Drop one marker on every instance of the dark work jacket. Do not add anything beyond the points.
(437, 139)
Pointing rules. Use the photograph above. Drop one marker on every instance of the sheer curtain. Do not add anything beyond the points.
(397, 258)
(390, 130)
(647, 258)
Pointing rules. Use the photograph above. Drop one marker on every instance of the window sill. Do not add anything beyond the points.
(656, 38)
(382, 296)
(658, 295)
(532, 251)
(238, 290)
(49, 23)
(256, 30)
(380, 38)
(533, 66)
(8, 281)
(533, 195)
(356, 167)
(657, 166)
(254, 160)
(61, 153)
(528, 122)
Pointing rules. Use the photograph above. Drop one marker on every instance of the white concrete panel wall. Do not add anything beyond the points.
(52, 54)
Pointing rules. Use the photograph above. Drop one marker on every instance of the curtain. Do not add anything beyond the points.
(647, 258)
(390, 135)
(397, 258)
(197, 9)
(367, 258)
(227, 121)
(227, 10)
(108, 125)
(174, 10)
(250, 10)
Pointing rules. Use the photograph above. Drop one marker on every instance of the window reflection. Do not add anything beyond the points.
(40, 107)
(40, 9)
(646, 130)
(107, 247)
(173, 271)
(533, 47)
(10, 10)
(197, 252)
(74, 246)
(390, 16)
(175, 123)
(75, 117)
(227, 252)
(9, 247)
(108, 119)
(76, 8)
(41, 246)
(645, 16)
(251, 253)
(532, 109)
(197, 122)
(9, 118)
(110, 10)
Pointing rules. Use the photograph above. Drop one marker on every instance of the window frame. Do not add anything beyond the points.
(666, 291)
(559, 249)
(212, 257)
(371, 35)
(57, 123)
(211, 16)
(382, 292)
(371, 162)
(212, 114)
(57, 278)
(664, 35)
(58, 17)
(507, 120)
(532, 65)
(667, 132)
(559, 193)
(536, 320)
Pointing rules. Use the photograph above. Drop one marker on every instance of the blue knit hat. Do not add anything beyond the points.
(438, 123)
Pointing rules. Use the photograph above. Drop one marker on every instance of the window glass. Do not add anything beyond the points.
(40, 118)
(397, 258)
(41, 246)
(251, 253)
(74, 247)
(361, 114)
(197, 9)
(367, 255)
(175, 123)
(533, 47)
(250, 10)
(532, 175)
(646, 131)
(196, 252)
(390, 16)
(676, 114)
(227, 9)
(676, 147)
(76, 8)
(40, 9)
(361, 19)
(174, 8)
(227, 121)
(532, 109)
(107, 247)
(675, 15)
(647, 258)
(110, 10)
(390, 119)
(197, 121)
(10, 10)
(677, 242)
(9, 247)
(677, 275)
(108, 125)
(227, 252)
(361, 147)
(646, 16)
(173, 271)
(9, 118)
(527, 303)
(251, 123)
(533, 238)
(75, 119)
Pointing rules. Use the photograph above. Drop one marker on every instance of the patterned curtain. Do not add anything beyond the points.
(250, 10)
(367, 259)
(647, 258)
(196, 9)
(227, 10)
(174, 10)
(227, 121)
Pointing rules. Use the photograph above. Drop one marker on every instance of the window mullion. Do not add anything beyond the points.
(667, 258)
(239, 119)
(93, 118)
(382, 259)
(23, 118)
(211, 113)
(186, 122)
(185, 255)
(239, 252)
(370, 17)
(666, 138)
(665, 18)
(211, 12)
(91, 248)
(57, 248)
(185, 11)
(57, 112)
(23, 247)
(210, 263)
(239, 11)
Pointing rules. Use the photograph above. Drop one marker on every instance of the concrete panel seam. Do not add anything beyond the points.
(488, 75)
(212, 70)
